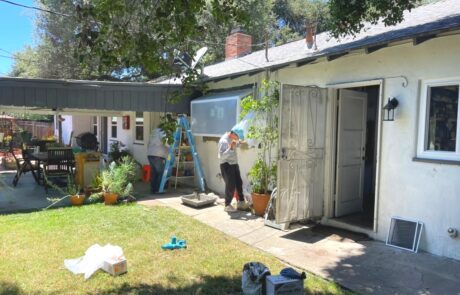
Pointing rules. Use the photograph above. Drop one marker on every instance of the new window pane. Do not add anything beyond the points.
(213, 117)
(442, 118)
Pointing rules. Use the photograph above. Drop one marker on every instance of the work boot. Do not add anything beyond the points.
(242, 206)
(229, 209)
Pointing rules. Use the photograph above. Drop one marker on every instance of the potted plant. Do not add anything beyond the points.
(75, 193)
(72, 191)
(95, 186)
(116, 181)
(263, 128)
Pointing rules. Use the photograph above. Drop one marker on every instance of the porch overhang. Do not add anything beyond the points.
(72, 95)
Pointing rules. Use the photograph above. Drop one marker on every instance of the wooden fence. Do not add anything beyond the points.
(38, 129)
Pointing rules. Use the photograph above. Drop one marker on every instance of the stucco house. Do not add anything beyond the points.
(340, 161)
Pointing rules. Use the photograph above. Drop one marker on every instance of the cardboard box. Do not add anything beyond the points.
(279, 285)
(115, 267)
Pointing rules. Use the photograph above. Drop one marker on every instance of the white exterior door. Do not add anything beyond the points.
(301, 167)
(351, 142)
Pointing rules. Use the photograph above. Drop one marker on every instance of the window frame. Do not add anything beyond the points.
(95, 124)
(423, 129)
(113, 125)
(140, 125)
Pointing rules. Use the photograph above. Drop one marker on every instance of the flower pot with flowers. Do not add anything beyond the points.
(263, 129)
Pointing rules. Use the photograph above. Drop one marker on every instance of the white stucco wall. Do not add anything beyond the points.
(127, 136)
(423, 191)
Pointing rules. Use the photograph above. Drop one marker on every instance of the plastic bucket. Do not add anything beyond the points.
(146, 172)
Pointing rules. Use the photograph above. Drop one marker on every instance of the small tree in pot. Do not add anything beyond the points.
(263, 128)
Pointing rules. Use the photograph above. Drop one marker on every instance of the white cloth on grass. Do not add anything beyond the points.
(94, 259)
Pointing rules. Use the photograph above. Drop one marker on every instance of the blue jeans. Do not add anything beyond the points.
(157, 166)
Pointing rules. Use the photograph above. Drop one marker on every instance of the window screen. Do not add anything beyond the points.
(213, 115)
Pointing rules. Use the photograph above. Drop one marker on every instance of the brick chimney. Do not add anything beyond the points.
(237, 44)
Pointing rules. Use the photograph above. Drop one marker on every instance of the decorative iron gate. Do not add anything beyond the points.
(302, 140)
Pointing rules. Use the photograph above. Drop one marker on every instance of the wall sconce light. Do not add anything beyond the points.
(389, 109)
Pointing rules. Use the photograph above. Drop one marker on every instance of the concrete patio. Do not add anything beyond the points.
(350, 259)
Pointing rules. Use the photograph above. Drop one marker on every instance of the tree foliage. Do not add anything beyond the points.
(25, 63)
(140, 39)
(145, 34)
(348, 17)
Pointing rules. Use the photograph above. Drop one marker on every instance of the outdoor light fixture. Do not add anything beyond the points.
(389, 109)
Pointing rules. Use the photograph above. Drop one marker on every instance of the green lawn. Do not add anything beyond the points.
(33, 248)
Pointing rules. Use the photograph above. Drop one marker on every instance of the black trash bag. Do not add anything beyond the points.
(253, 279)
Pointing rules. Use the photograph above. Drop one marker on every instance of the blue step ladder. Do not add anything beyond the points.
(182, 125)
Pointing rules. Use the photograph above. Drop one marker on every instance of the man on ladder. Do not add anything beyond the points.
(230, 170)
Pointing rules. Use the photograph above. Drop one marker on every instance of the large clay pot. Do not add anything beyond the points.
(259, 203)
(110, 198)
(77, 200)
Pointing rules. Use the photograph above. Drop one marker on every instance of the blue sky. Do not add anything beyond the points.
(16, 30)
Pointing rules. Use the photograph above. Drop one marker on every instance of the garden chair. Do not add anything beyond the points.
(24, 164)
(59, 164)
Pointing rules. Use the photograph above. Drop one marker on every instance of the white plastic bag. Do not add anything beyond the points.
(253, 278)
(94, 259)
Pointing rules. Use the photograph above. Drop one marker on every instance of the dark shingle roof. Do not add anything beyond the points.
(422, 21)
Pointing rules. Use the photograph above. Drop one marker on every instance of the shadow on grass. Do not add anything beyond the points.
(208, 285)
(8, 288)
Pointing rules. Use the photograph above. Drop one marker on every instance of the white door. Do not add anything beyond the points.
(301, 167)
(351, 142)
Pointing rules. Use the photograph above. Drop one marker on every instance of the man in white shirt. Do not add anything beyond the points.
(230, 170)
(157, 154)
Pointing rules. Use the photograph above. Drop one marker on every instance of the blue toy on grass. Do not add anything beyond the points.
(175, 244)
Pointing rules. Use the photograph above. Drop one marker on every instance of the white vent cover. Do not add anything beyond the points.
(404, 234)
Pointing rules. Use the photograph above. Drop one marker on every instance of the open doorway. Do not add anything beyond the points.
(356, 155)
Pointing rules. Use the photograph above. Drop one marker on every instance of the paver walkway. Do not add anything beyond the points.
(364, 266)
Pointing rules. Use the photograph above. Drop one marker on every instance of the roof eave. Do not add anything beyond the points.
(369, 48)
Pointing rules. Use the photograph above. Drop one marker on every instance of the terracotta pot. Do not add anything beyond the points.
(77, 200)
(110, 198)
(189, 158)
(259, 203)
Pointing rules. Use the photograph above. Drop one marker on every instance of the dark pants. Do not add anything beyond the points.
(232, 178)
(157, 166)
